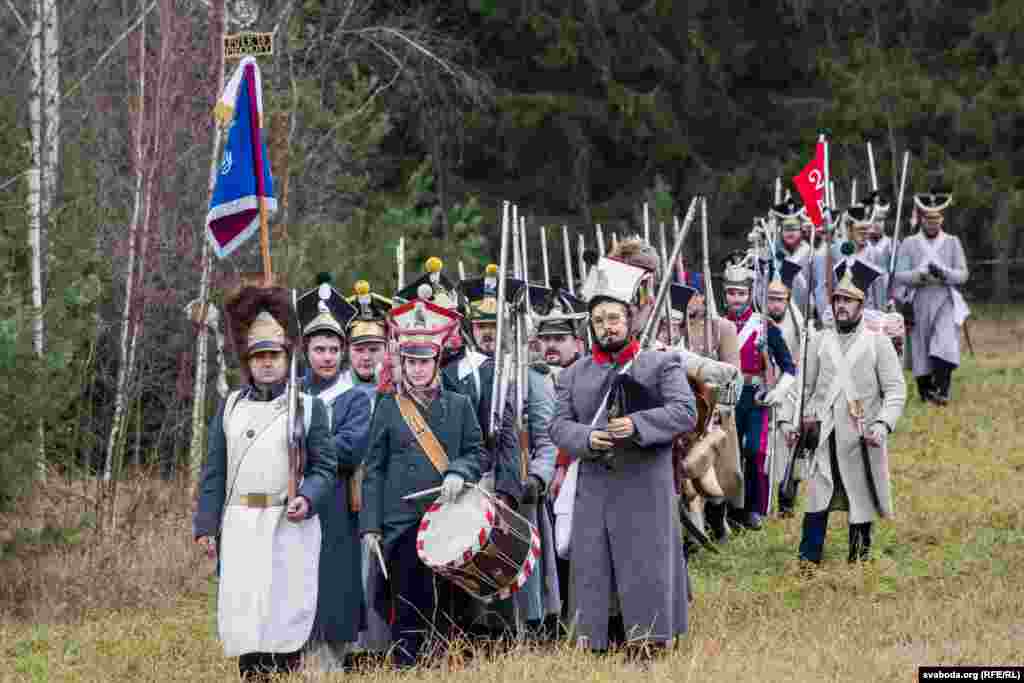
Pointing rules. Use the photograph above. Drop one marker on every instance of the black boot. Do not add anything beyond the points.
(943, 381)
(714, 515)
(924, 388)
(860, 542)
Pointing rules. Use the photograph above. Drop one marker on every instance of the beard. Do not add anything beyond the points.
(609, 345)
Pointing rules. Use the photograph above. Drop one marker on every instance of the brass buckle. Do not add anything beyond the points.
(257, 500)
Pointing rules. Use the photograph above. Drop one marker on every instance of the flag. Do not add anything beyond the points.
(244, 172)
(810, 183)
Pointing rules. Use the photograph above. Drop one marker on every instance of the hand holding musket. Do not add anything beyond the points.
(296, 425)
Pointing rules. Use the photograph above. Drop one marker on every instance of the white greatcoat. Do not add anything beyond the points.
(786, 412)
(939, 307)
(861, 365)
(268, 583)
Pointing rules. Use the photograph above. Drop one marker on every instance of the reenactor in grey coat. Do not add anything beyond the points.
(617, 413)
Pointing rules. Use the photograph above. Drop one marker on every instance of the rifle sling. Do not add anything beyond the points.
(424, 435)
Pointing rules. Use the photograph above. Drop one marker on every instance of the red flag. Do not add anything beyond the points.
(810, 183)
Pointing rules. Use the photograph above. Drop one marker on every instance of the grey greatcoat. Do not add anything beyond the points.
(873, 375)
(939, 308)
(626, 535)
(786, 413)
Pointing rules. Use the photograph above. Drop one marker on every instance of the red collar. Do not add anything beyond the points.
(618, 359)
(743, 317)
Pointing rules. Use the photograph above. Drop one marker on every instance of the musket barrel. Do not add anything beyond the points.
(567, 255)
(544, 255)
(666, 277)
(498, 407)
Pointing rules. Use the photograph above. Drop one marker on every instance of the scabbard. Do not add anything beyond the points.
(872, 489)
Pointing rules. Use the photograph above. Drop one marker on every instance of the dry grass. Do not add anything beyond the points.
(947, 585)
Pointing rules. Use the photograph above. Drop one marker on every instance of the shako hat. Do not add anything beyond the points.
(783, 276)
(441, 291)
(422, 327)
(855, 276)
(738, 273)
(370, 321)
(323, 309)
(560, 313)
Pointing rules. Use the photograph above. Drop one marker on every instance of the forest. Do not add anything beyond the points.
(394, 119)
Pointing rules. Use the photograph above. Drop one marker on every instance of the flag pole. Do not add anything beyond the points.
(268, 271)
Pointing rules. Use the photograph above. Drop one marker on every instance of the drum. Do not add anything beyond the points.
(480, 544)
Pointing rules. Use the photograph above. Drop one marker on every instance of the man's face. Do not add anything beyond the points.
(737, 298)
(875, 232)
(364, 358)
(791, 237)
(859, 234)
(324, 353)
(559, 349)
(268, 367)
(932, 223)
(611, 324)
(777, 306)
(486, 335)
(846, 309)
(419, 370)
(697, 307)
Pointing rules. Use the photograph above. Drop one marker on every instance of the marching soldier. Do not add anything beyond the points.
(784, 314)
(402, 460)
(794, 247)
(859, 219)
(367, 346)
(324, 315)
(857, 397)
(756, 352)
(933, 267)
(617, 412)
(269, 545)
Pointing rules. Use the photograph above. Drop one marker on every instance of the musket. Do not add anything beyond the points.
(647, 225)
(600, 240)
(400, 257)
(544, 255)
(462, 271)
(896, 232)
(582, 262)
(663, 252)
(792, 475)
(853, 191)
(710, 312)
(498, 406)
(567, 257)
(296, 425)
(666, 277)
(778, 190)
(524, 315)
(871, 167)
(828, 233)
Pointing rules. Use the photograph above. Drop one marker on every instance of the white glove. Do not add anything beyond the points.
(777, 394)
(451, 488)
(877, 434)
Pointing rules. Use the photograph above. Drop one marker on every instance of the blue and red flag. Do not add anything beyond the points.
(244, 173)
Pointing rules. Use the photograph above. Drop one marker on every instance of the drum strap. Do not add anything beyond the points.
(424, 435)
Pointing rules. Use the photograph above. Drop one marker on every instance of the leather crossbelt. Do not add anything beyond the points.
(424, 435)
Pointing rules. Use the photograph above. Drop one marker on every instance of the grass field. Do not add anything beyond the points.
(946, 587)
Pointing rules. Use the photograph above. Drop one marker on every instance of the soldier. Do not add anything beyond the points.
(756, 352)
(857, 397)
(933, 266)
(617, 412)
(790, 216)
(401, 461)
(324, 315)
(367, 346)
(269, 545)
(784, 314)
(858, 219)
(469, 372)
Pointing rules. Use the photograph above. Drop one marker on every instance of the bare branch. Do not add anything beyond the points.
(17, 15)
(110, 49)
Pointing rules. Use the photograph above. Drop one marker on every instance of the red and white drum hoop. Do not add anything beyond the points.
(480, 544)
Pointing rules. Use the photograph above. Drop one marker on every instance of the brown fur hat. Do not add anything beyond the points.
(636, 252)
(243, 305)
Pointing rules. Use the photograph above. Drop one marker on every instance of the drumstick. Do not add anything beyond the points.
(380, 558)
(422, 494)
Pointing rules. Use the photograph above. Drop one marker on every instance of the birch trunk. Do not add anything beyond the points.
(133, 230)
(196, 450)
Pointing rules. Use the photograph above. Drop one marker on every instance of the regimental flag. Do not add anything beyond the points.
(244, 173)
(810, 183)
